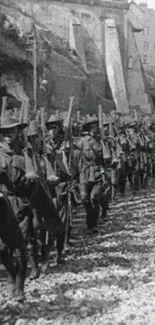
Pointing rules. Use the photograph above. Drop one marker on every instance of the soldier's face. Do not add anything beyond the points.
(94, 129)
(35, 140)
(11, 135)
(53, 131)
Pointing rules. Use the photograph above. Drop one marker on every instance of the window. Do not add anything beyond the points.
(130, 62)
(146, 46)
(145, 60)
(145, 30)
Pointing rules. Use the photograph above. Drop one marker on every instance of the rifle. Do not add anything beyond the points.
(78, 116)
(30, 172)
(67, 120)
(67, 127)
(51, 177)
(4, 102)
(105, 153)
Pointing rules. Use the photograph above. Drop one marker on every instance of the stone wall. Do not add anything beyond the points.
(88, 30)
(136, 84)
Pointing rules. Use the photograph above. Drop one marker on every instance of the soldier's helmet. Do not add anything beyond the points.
(33, 129)
(54, 119)
(133, 125)
(10, 122)
(88, 122)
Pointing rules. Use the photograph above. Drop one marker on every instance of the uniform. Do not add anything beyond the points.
(13, 208)
(90, 170)
(58, 155)
(45, 216)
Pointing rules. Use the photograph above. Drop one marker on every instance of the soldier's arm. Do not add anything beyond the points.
(17, 171)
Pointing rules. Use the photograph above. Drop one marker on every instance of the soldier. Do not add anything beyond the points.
(43, 210)
(13, 208)
(133, 161)
(90, 169)
(34, 144)
(58, 155)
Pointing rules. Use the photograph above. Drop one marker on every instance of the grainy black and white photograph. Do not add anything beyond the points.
(77, 162)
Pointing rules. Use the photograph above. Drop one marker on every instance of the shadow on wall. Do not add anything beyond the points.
(66, 80)
(65, 76)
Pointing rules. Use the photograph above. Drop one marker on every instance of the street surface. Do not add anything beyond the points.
(108, 279)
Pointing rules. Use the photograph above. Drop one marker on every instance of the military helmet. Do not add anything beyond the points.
(33, 129)
(10, 122)
(90, 120)
(132, 125)
(54, 119)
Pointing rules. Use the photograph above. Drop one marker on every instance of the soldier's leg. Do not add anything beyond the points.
(11, 236)
(60, 240)
(91, 206)
(141, 178)
(21, 260)
(95, 202)
(85, 196)
(122, 180)
(46, 243)
(7, 260)
(62, 237)
(153, 166)
(104, 202)
(136, 180)
(130, 177)
(21, 267)
(33, 258)
(69, 220)
(33, 246)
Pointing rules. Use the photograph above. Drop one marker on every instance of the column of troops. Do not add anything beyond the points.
(50, 166)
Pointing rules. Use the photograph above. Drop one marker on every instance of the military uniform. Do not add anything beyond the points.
(45, 217)
(58, 155)
(90, 170)
(13, 208)
(35, 222)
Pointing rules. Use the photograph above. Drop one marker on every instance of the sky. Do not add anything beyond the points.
(151, 3)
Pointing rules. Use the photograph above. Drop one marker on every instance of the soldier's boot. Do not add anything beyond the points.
(69, 240)
(33, 258)
(145, 178)
(104, 206)
(104, 209)
(7, 261)
(130, 179)
(21, 267)
(136, 182)
(60, 241)
(153, 169)
(45, 252)
(92, 219)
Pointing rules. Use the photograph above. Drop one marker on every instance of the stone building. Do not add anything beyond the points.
(139, 93)
(79, 31)
(145, 39)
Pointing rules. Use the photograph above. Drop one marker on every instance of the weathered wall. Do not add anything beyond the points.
(137, 94)
(96, 22)
(146, 41)
(88, 26)
(114, 66)
(56, 16)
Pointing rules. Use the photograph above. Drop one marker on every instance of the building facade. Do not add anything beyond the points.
(137, 86)
(146, 39)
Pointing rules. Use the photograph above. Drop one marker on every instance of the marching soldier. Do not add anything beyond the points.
(90, 169)
(46, 222)
(34, 144)
(58, 155)
(14, 209)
